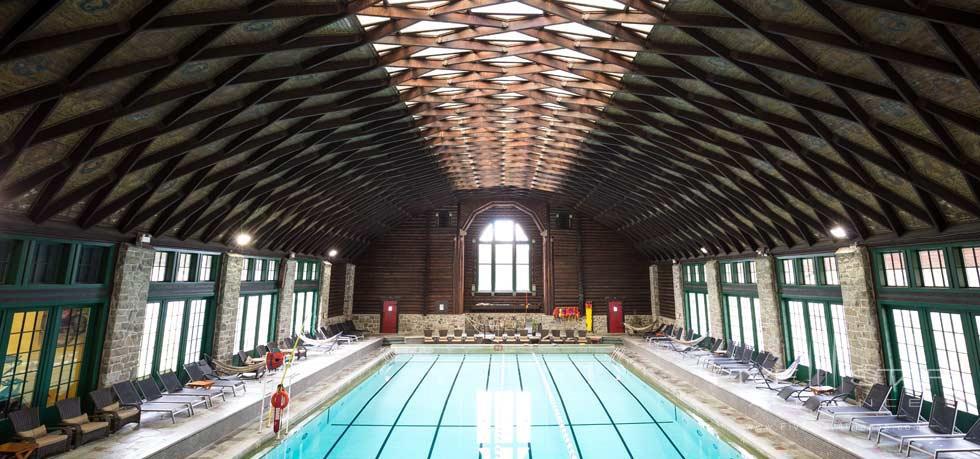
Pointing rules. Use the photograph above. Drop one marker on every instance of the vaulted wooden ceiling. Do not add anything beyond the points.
(690, 126)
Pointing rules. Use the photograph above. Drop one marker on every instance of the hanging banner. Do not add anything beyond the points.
(588, 316)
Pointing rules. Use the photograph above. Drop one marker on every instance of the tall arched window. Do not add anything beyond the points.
(504, 261)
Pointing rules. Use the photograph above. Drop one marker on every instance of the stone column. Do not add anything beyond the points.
(678, 277)
(769, 310)
(284, 325)
(349, 290)
(229, 289)
(861, 316)
(654, 293)
(325, 270)
(127, 306)
(712, 277)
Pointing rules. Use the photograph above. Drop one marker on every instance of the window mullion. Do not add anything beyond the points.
(929, 345)
(831, 340)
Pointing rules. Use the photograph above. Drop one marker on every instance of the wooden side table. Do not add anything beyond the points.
(18, 449)
(201, 384)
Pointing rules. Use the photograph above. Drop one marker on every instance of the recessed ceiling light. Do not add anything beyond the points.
(704, 250)
(243, 239)
(838, 232)
(332, 253)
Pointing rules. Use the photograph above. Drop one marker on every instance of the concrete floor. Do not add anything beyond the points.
(158, 437)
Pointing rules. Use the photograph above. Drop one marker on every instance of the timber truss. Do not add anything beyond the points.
(691, 126)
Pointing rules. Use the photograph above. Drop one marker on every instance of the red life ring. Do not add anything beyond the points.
(280, 399)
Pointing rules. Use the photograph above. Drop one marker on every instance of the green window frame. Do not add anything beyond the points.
(742, 317)
(256, 269)
(306, 311)
(307, 270)
(815, 330)
(935, 349)
(175, 331)
(693, 274)
(742, 272)
(696, 313)
(951, 267)
(256, 320)
(183, 266)
(818, 270)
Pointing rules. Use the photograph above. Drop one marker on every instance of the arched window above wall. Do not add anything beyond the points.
(503, 259)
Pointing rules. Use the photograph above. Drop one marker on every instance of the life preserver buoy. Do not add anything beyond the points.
(279, 402)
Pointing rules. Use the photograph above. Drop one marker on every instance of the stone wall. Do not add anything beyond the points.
(370, 323)
(326, 270)
(654, 292)
(127, 306)
(414, 324)
(861, 316)
(229, 289)
(285, 319)
(712, 277)
(348, 289)
(678, 278)
(769, 310)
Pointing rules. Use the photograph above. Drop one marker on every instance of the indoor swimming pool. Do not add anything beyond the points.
(502, 406)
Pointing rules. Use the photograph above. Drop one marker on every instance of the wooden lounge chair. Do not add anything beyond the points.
(443, 336)
(522, 336)
(83, 428)
(106, 404)
(471, 334)
(151, 392)
(458, 335)
(427, 336)
(50, 441)
(127, 396)
(570, 336)
(173, 386)
(556, 337)
(582, 337)
(195, 373)
(299, 350)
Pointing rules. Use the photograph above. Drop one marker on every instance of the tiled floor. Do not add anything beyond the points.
(785, 415)
(156, 433)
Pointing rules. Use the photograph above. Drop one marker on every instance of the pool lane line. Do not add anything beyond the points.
(407, 401)
(655, 421)
(563, 407)
(341, 436)
(603, 405)
(445, 403)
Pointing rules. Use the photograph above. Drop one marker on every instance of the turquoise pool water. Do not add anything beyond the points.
(508, 406)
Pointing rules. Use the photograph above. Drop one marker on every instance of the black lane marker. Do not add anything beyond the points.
(603, 405)
(445, 403)
(402, 411)
(641, 406)
(563, 407)
(337, 441)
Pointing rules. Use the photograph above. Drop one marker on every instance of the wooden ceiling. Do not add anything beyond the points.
(691, 126)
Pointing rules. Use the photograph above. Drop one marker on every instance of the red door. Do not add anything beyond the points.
(616, 317)
(389, 317)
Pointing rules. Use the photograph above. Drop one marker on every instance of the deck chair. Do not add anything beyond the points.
(470, 334)
(336, 328)
(450, 336)
(873, 404)
(582, 337)
(707, 347)
(50, 441)
(942, 423)
(105, 404)
(844, 391)
(556, 337)
(127, 396)
(756, 371)
(427, 336)
(195, 373)
(173, 386)
(151, 392)
(443, 336)
(731, 354)
(329, 334)
(775, 381)
(458, 336)
(84, 429)
(570, 336)
(348, 328)
(909, 413)
(300, 351)
(522, 336)
(748, 362)
(968, 443)
(816, 379)
(545, 336)
(666, 333)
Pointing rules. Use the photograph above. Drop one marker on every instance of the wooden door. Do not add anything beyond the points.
(616, 316)
(389, 317)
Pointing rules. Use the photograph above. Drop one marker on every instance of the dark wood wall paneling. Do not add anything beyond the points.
(395, 265)
(665, 283)
(336, 298)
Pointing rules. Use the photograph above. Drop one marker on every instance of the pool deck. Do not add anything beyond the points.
(233, 424)
(763, 421)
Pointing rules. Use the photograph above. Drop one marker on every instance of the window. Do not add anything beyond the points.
(819, 338)
(726, 273)
(503, 259)
(894, 264)
(9, 250)
(694, 273)
(69, 353)
(148, 342)
(195, 330)
(204, 268)
(809, 272)
(789, 272)
(831, 276)
(697, 312)
(23, 359)
(244, 270)
(255, 321)
(739, 272)
(953, 360)
(744, 321)
(183, 267)
(257, 269)
(932, 268)
(305, 310)
(842, 348)
(911, 352)
(971, 265)
(306, 270)
(170, 345)
(50, 260)
(752, 275)
(91, 264)
(173, 333)
(272, 272)
(159, 271)
(798, 332)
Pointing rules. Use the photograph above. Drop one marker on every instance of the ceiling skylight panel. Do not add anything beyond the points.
(508, 95)
(452, 105)
(552, 106)
(393, 70)
(381, 47)
(439, 52)
(563, 75)
(629, 55)
(448, 91)
(594, 6)
(431, 26)
(512, 79)
(574, 28)
(641, 29)
(442, 73)
(559, 92)
(508, 37)
(511, 8)
(570, 54)
(367, 21)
